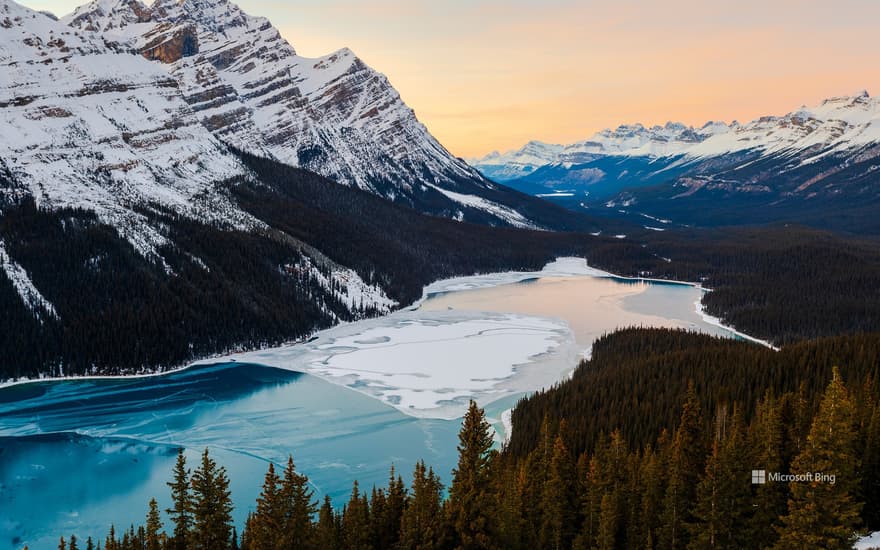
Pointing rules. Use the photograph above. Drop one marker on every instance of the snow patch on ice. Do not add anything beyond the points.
(431, 364)
(868, 542)
(561, 267)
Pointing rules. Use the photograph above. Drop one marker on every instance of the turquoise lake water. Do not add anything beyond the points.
(78, 455)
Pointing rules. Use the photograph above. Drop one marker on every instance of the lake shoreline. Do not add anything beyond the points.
(561, 267)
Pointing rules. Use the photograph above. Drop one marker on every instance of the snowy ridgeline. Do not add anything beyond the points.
(835, 125)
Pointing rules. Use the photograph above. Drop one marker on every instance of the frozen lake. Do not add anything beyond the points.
(77, 455)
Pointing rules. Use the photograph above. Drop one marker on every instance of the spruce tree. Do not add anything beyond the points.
(724, 504)
(822, 514)
(469, 502)
(356, 522)
(154, 525)
(73, 544)
(684, 470)
(559, 502)
(421, 521)
(609, 520)
(297, 506)
(871, 471)
(264, 527)
(62, 544)
(768, 440)
(110, 543)
(651, 501)
(90, 545)
(395, 502)
(327, 535)
(212, 506)
(181, 502)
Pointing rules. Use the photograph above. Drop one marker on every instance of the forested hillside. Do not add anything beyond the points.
(780, 283)
(213, 289)
(687, 484)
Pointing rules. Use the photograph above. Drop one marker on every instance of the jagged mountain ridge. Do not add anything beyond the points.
(837, 124)
(797, 167)
(85, 124)
(333, 115)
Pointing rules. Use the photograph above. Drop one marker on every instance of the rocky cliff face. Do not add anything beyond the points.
(333, 115)
(87, 124)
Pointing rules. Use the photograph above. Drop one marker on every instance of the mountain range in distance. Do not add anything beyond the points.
(815, 165)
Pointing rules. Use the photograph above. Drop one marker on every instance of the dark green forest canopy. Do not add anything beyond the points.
(636, 379)
(223, 290)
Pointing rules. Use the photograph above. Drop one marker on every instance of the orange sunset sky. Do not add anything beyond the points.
(486, 75)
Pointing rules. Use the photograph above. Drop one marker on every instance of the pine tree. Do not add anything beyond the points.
(181, 501)
(356, 522)
(154, 525)
(421, 521)
(297, 506)
(327, 532)
(378, 512)
(768, 440)
(684, 469)
(264, 527)
(468, 499)
(395, 502)
(724, 495)
(609, 520)
(212, 506)
(110, 543)
(62, 544)
(651, 501)
(871, 470)
(73, 544)
(823, 514)
(559, 502)
(89, 544)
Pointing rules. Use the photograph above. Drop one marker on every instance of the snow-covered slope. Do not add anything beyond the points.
(333, 115)
(817, 165)
(836, 125)
(88, 123)
(89, 126)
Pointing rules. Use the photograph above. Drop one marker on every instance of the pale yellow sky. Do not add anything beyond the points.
(486, 74)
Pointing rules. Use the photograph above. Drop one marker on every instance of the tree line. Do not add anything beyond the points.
(694, 485)
(213, 290)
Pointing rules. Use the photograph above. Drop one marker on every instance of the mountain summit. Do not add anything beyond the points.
(799, 167)
(332, 115)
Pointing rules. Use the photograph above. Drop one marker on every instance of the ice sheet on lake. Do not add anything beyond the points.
(561, 267)
(430, 364)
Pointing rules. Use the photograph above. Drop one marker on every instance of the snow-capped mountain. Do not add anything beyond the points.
(830, 150)
(626, 140)
(837, 124)
(87, 125)
(122, 108)
(333, 115)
